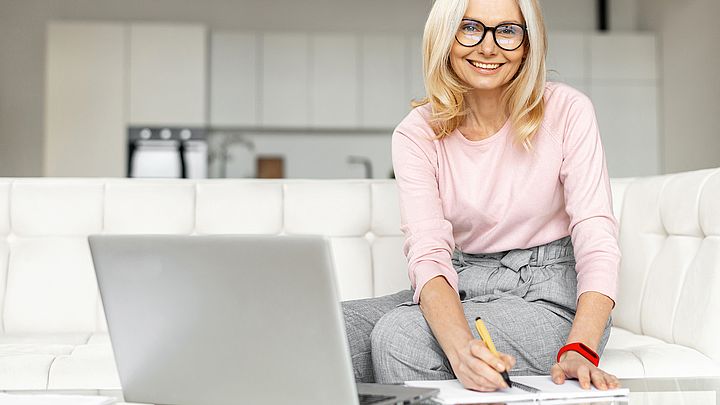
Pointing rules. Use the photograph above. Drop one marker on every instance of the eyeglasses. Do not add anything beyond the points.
(507, 36)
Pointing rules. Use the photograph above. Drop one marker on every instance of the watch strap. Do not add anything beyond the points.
(581, 348)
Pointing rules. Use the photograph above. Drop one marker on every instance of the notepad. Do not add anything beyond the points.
(452, 392)
(49, 399)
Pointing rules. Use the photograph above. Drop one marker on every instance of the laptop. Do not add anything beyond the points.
(224, 319)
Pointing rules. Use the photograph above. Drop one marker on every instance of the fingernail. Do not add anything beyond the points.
(500, 367)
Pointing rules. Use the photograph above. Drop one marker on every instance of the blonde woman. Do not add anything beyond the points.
(506, 210)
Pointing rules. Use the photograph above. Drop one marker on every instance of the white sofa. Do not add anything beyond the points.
(54, 334)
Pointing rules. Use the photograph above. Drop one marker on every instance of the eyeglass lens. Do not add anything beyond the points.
(507, 36)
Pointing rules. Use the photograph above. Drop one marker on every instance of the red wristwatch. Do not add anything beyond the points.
(584, 351)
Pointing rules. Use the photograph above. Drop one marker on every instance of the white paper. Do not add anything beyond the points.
(47, 399)
(452, 392)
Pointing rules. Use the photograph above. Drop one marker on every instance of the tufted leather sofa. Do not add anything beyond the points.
(53, 333)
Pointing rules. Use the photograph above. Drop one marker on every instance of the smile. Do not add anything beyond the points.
(488, 66)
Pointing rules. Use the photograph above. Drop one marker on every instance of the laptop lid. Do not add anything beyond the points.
(224, 319)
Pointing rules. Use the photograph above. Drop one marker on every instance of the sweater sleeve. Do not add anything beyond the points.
(588, 201)
(429, 240)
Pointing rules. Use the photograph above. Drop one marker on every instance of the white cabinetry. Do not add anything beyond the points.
(619, 73)
(234, 89)
(384, 72)
(335, 81)
(416, 88)
(624, 88)
(85, 100)
(168, 75)
(568, 59)
(285, 75)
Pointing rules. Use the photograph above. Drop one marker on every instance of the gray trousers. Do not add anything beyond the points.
(526, 297)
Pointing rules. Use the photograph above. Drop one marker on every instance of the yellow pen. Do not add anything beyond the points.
(485, 336)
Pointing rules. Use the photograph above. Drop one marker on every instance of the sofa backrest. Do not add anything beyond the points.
(669, 284)
(47, 282)
(669, 237)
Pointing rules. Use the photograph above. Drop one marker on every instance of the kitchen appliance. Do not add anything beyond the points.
(167, 152)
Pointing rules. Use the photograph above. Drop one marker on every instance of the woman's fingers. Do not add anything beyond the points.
(583, 376)
(476, 376)
(598, 379)
(482, 368)
(509, 361)
(557, 374)
(479, 350)
(612, 381)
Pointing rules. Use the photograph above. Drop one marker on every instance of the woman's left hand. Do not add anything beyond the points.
(574, 365)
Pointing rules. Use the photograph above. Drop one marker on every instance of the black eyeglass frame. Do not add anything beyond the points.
(492, 30)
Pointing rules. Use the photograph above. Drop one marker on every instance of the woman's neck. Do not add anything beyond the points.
(486, 114)
(485, 109)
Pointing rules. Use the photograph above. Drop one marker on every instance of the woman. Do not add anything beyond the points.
(506, 210)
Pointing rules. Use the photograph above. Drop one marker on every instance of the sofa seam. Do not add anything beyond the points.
(11, 187)
(372, 244)
(52, 363)
(665, 181)
(283, 215)
(195, 208)
(642, 363)
(100, 307)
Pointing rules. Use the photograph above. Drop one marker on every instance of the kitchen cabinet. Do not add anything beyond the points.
(285, 76)
(85, 100)
(416, 88)
(568, 59)
(335, 83)
(234, 88)
(624, 84)
(618, 71)
(167, 74)
(384, 71)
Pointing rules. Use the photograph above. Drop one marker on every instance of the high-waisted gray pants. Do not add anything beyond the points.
(526, 297)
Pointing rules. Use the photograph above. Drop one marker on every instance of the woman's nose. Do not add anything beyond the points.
(487, 45)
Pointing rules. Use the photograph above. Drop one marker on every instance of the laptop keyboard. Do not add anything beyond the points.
(367, 399)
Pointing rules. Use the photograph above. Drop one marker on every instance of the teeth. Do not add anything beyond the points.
(485, 65)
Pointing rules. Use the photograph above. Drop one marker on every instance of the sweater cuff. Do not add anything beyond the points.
(600, 278)
(425, 271)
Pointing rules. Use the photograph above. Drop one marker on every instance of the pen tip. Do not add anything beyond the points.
(477, 319)
(506, 377)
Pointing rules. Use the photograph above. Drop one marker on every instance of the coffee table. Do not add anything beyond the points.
(643, 391)
(656, 391)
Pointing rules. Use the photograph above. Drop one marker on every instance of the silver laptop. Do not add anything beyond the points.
(227, 320)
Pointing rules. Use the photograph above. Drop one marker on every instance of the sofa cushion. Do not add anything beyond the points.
(670, 270)
(330, 208)
(629, 355)
(66, 207)
(149, 206)
(57, 361)
(51, 286)
(88, 367)
(4, 207)
(253, 207)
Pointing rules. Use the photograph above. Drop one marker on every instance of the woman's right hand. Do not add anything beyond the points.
(478, 368)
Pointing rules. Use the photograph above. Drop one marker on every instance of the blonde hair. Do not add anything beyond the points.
(523, 96)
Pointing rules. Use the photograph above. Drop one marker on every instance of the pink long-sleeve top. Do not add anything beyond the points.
(492, 195)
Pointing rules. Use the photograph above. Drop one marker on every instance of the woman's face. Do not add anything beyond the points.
(498, 65)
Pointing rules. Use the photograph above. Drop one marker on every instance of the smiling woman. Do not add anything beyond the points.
(515, 72)
(505, 207)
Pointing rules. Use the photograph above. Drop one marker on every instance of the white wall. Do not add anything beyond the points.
(22, 43)
(23, 25)
(690, 108)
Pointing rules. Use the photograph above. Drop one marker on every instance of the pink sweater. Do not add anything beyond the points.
(491, 196)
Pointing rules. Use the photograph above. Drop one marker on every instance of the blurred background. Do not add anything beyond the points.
(314, 88)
